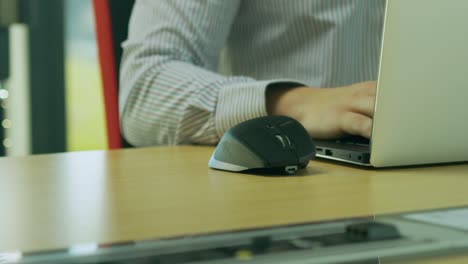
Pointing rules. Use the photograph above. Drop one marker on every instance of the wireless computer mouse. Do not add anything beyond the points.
(271, 144)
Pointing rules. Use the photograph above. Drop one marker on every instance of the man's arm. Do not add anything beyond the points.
(169, 91)
(171, 95)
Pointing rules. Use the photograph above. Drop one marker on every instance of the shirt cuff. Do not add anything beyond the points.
(239, 102)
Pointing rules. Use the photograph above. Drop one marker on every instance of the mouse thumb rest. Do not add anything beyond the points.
(233, 155)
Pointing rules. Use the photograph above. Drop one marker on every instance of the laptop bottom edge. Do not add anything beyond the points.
(355, 157)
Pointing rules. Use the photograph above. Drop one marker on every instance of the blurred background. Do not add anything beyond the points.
(50, 81)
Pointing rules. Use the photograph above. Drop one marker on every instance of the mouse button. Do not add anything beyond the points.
(265, 142)
(233, 151)
(304, 148)
(277, 120)
(286, 143)
(286, 122)
(272, 122)
(283, 142)
(289, 142)
(299, 137)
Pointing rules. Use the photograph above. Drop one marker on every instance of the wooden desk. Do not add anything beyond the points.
(53, 201)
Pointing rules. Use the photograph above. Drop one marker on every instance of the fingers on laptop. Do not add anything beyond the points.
(363, 104)
(362, 99)
(356, 124)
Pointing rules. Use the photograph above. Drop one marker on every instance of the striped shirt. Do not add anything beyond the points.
(192, 69)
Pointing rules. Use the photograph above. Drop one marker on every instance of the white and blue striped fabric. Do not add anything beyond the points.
(191, 69)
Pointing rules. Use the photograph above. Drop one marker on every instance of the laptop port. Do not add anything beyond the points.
(328, 152)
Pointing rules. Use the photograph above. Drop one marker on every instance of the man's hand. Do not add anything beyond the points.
(327, 113)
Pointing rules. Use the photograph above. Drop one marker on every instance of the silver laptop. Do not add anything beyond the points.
(421, 110)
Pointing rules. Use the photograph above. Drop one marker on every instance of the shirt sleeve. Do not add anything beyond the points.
(169, 91)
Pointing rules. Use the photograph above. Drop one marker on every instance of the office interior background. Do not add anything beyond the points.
(50, 94)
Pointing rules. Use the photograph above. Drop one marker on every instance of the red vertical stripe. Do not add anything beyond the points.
(108, 71)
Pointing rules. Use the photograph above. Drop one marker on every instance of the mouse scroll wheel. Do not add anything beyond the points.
(284, 140)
